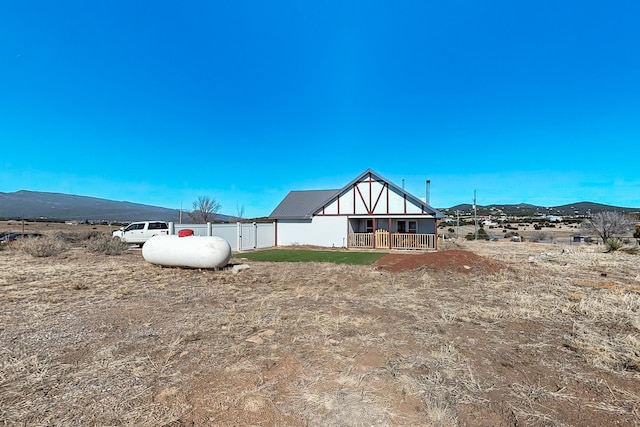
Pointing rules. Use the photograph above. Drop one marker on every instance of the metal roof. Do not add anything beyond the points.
(302, 204)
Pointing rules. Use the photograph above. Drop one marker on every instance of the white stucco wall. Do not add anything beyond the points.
(325, 231)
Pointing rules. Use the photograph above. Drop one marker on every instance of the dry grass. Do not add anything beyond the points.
(90, 339)
(40, 247)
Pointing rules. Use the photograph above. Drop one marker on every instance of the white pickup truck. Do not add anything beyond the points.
(140, 232)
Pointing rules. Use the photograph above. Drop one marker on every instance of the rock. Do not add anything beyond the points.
(240, 267)
(255, 339)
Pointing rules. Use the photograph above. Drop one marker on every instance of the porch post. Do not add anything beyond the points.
(435, 243)
(390, 234)
(348, 232)
(374, 233)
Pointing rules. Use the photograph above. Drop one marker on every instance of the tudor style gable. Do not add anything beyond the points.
(370, 194)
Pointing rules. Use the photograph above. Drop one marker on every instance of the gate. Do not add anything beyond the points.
(382, 239)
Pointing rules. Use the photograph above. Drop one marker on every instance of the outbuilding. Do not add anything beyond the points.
(368, 212)
(579, 238)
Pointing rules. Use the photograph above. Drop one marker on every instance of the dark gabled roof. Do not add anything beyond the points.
(302, 204)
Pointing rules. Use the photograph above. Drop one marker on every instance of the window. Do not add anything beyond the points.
(135, 226)
(369, 226)
(413, 227)
(402, 226)
(158, 226)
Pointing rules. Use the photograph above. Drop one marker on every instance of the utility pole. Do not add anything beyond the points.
(475, 215)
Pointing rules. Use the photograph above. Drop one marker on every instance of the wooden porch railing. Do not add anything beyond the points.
(413, 241)
(398, 240)
(361, 240)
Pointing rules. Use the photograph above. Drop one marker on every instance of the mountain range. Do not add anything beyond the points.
(37, 205)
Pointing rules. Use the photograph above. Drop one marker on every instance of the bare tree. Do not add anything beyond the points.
(607, 225)
(205, 210)
(240, 212)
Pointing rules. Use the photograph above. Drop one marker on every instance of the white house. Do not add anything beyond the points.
(368, 212)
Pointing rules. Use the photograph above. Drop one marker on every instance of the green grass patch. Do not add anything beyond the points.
(297, 255)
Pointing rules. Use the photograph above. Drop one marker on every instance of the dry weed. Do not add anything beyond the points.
(105, 244)
(41, 247)
(91, 339)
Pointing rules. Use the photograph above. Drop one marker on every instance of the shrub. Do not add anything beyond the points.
(538, 236)
(41, 247)
(614, 244)
(482, 234)
(107, 245)
(68, 237)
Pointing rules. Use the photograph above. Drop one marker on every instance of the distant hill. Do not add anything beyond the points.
(36, 205)
(524, 209)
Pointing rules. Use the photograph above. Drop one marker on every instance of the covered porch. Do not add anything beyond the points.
(393, 233)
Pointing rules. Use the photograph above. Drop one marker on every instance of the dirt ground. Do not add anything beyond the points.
(454, 260)
(482, 334)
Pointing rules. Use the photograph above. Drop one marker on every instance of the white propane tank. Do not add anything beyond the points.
(188, 251)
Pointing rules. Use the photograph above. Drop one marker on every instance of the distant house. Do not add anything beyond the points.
(579, 238)
(368, 212)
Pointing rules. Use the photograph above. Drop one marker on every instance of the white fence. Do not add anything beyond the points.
(241, 236)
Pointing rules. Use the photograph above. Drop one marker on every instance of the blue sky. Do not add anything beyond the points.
(161, 102)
